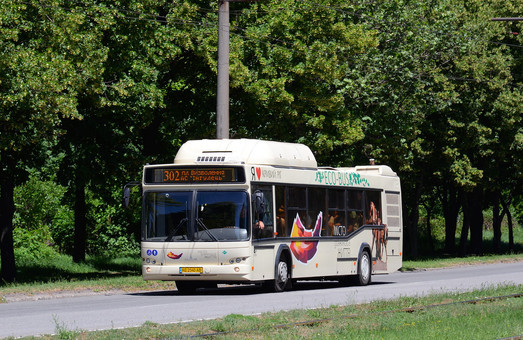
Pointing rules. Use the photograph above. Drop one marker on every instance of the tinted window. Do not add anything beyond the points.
(373, 207)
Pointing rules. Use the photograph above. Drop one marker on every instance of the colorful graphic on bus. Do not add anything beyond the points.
(304, 251)
(173, 256)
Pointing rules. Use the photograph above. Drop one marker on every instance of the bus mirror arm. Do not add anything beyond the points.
(127, 192)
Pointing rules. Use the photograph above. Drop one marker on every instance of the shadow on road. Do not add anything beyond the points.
(251, 289)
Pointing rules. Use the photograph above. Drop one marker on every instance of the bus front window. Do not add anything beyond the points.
(167, 216)
(221, 216)
(215, 216)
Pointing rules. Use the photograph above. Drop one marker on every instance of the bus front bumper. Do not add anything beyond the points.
(224, 273)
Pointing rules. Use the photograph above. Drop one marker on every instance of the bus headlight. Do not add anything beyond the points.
(237, 260)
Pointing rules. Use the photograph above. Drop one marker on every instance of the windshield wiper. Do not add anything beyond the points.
(204, 227)
(172, 233)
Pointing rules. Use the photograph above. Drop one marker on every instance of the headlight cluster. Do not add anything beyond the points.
(237, 260)
(148, 260)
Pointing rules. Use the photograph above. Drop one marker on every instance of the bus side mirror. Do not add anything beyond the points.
(259, 203)
(127, 193)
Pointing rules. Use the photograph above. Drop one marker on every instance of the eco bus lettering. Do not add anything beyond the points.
(340, 178)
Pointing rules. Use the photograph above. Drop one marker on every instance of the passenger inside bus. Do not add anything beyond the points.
(336, 221)
(355, 220)
(280, 220)
(262, 219)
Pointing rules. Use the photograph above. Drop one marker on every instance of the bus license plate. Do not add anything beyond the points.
(191, 270)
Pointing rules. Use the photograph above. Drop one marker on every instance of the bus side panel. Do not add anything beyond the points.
(339, 257)
(263, 262)
(314, 258)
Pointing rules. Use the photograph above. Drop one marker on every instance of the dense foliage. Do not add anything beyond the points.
(92, 90)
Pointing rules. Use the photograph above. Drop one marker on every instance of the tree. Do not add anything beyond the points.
(287, 61)
(46, 59)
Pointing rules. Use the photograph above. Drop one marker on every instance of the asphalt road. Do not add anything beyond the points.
(127, 310)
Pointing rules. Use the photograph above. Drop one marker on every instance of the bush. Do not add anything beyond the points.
(36, 205)
(42, 222)
(31, 245)
(62, 229)
(108, 234)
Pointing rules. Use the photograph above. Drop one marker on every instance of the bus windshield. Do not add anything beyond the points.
(197, 216)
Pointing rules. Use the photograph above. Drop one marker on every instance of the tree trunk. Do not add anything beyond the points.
(429, 228)
(451, 205)
(497, 218)
(510, 232)
(506, 210)
(464, 229)
(475, 199)
(7, 210)
(412, 218)
(80, 220)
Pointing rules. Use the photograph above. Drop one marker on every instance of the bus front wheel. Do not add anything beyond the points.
(281, 277)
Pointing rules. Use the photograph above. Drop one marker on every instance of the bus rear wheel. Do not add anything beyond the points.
(363, 277)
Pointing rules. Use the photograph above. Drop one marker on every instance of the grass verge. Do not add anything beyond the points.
(434, 317)
(442, 262)
(96, 274)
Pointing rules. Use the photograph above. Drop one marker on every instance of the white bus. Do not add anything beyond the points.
(253, 211)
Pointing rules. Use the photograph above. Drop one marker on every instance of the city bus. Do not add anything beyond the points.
(263, 212)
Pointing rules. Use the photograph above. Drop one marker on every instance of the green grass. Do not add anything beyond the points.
(432, 317)
(60, 273)
(442, 262)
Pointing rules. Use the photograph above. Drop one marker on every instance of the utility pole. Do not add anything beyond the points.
(222, 100)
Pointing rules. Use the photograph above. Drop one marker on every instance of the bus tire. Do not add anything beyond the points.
(281, 276)
(363, 277)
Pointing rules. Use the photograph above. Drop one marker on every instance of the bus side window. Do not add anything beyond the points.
(281, 212)
(297, 208)
(355, 210)
(316, 208)
(336, 219)
(373, 207)
(267, 218)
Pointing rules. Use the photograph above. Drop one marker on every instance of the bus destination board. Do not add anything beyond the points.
(192, 175)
